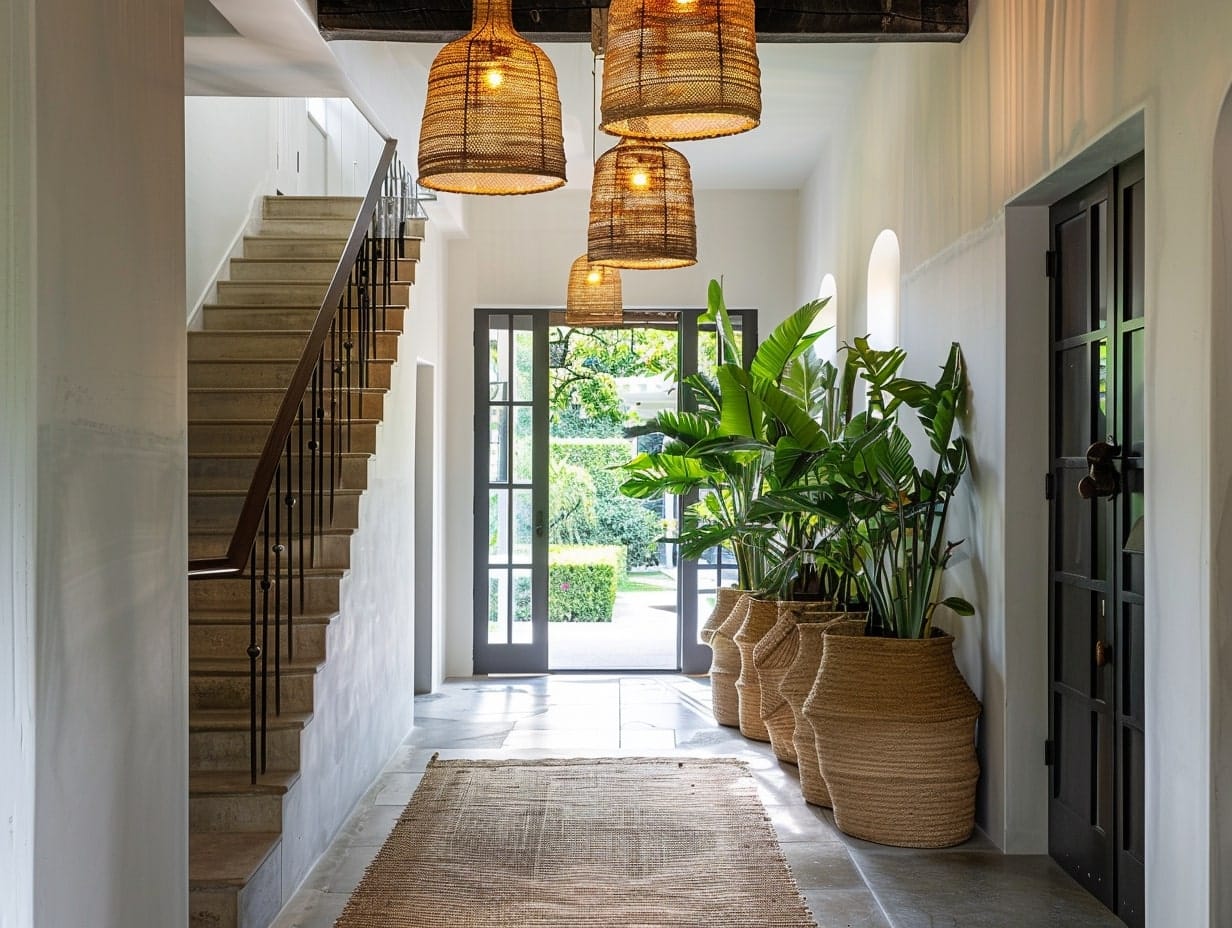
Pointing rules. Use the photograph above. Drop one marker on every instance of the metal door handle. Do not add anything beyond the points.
(1103, 653)
(539, 523)
(1102, 479)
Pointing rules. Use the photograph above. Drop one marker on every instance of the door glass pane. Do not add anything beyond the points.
(1074, 728)
(1101, 277)
(498, 606)
(1130, 661)
(1135, 238)
(1101, 390)
(523, 526)
(498, 358)
(1073, 642)
(1074, 403)
(498, 444)
(1074, 291)
(1135, 398)
(498, 526)
(523, 444)
(1073, 523)
(523, 359)
(1134, 496)
(523, 629)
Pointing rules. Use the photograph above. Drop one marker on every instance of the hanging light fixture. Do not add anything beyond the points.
(681, 69)
(641, 208)
(594, 297)
(491, 121)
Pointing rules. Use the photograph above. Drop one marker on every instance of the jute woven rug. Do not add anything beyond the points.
(602, 843)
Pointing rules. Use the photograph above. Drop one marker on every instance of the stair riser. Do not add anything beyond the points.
(228, 750)
(250, 293)
(231, 594)
(301, 270)
(368, 405)
(214, 640)
(219, 514)
(332, 552)
(235, 474)
(227, 692)
(311, 228)
(242, 812)
(311, 207)
(255, 905)
(257, 318)
(211, 437)
(270, 375)
(267, 247)
(230, 346)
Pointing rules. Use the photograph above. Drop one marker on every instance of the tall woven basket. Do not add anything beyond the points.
(725, 599)
(795, 688)
(762, 615)
(725, 665)
(773, 657)
(895, 727)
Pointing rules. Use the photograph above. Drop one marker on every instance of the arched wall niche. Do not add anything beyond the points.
(1221, 524)
(884, 282)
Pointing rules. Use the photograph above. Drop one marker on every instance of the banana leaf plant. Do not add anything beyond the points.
(897, 508)
(724, 449)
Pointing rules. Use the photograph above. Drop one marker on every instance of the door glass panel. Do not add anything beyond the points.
(523, 631)
(1074, 736)
(1101, 390)
(1130, 660)
(523, 525)
(523, 444)
(498, 606)
(1135, 236)
(1074, 404)
(1133, 762)
(498, 444)
(1073, 245)
(498, 358)
(1073, 524)
(1134, 535)
(498, 526)
(523, 359)
(1135, 368)
(1100, 277)
(1102, 537)
(1073, 640)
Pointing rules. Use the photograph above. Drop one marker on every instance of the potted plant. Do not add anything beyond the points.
(893, 718)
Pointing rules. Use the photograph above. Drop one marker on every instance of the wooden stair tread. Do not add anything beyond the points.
(239, 666)
(265, 422)
(241, 618)
(338, 491)
(239, 782)
(240, 720)
(222, 859)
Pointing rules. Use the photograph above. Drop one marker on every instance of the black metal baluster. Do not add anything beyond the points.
(319, 494)
(254, 652)
(335, 460)
(292, 539)
(277, 551)
(265, 591)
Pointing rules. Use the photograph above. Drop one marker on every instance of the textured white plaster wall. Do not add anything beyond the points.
(946, 137)
(18, 466)
(518, 253)
(112, 754)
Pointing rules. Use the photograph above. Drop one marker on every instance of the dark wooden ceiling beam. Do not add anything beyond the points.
(569, 20)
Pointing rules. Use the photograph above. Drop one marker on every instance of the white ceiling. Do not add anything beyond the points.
(808, 91)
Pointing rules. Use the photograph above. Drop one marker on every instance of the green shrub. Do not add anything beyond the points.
(582, 581)
(617, 518)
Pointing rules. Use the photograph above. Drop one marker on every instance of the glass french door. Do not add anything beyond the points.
(511, 485)
(512, 489)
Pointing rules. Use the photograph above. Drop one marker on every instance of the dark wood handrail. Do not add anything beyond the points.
(249, 520)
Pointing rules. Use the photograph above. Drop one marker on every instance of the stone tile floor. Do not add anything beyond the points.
(847, 883)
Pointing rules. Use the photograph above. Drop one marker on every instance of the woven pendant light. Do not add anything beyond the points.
(681, 69)
(594, 297)
(641, 208)
(491, 121)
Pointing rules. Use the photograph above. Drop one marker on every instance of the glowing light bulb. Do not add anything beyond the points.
(493, 77)
(639, 179)
(593, 277)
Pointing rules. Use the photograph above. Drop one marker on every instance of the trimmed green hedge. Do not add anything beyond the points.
(582, 582)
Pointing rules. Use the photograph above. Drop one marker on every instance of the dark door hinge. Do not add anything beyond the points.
(1050, 486)
(1049, 753)
(1050, 263)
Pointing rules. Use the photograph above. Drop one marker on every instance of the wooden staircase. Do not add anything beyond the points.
(239, 367)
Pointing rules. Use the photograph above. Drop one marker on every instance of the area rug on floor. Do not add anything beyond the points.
(595, 842)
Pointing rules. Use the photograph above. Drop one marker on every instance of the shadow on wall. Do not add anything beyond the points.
(1221, 529)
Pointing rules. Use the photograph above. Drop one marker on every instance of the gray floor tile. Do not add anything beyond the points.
(845, 908)
(311, 908)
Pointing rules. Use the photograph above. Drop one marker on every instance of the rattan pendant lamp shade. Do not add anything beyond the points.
(681, 69)
(641, 208)
(594, 297)
(491, 121)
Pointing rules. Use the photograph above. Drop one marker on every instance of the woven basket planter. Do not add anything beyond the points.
(725, 665)
(773, 657)
(761, 616)
(725, 600)
(895, 728)
(796, 686)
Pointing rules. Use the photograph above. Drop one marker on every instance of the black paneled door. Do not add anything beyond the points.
(1096, 486)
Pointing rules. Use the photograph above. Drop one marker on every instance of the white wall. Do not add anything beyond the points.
(111, 750)
(240, 149)
(945, 138)
(18, 467)
(518, 253)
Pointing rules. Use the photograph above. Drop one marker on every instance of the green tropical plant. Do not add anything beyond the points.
(897, 509)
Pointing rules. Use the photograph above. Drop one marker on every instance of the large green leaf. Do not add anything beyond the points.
(686, 427)
(786, 342)
(789, 413)
(716, 312)
(651, 474)
(740, 412)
